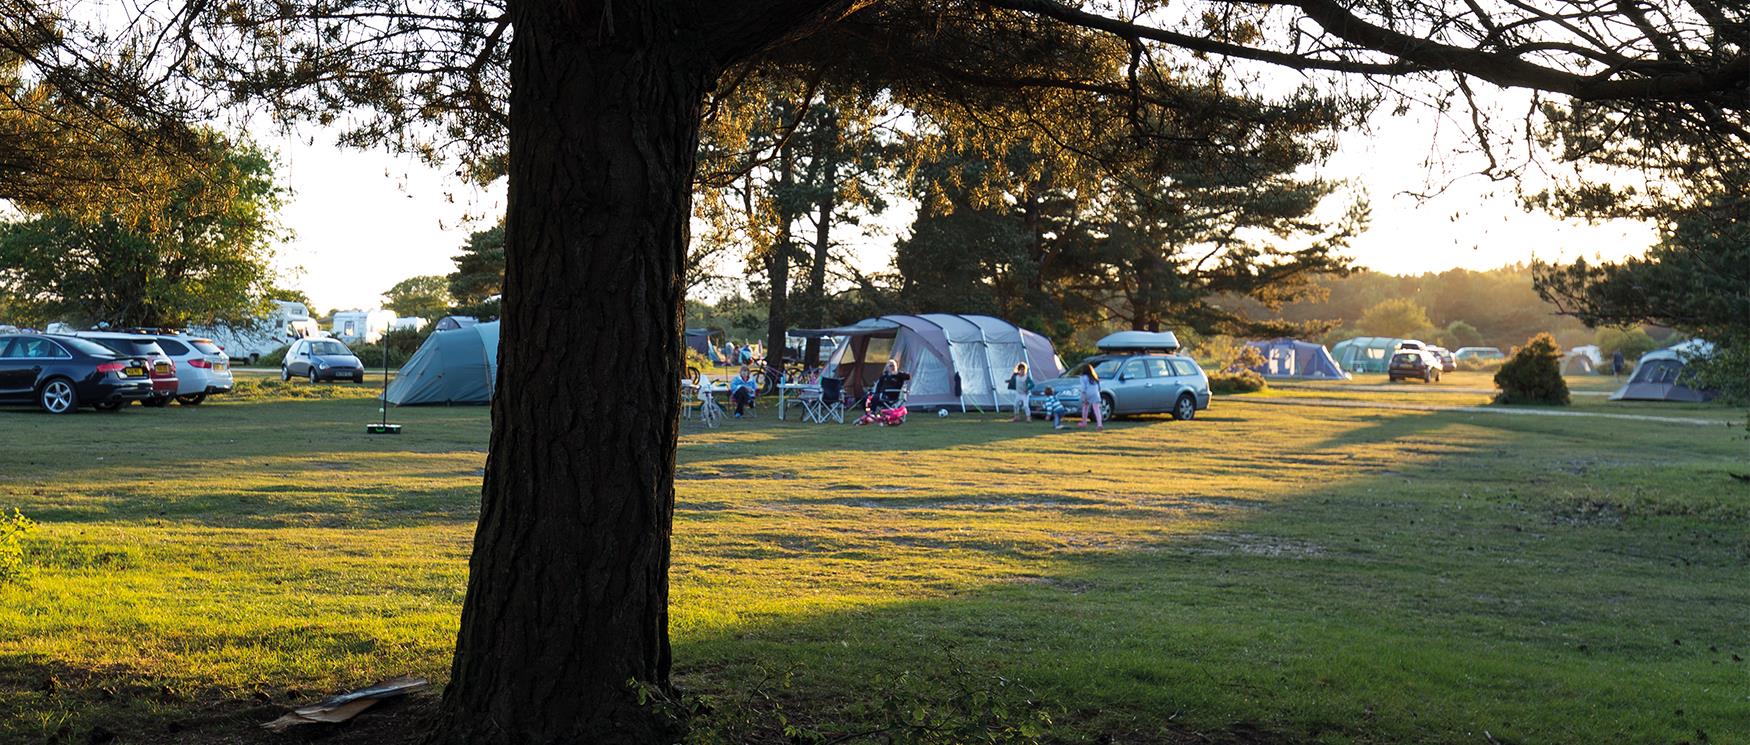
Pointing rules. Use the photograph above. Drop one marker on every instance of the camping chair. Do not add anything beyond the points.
(828, 403)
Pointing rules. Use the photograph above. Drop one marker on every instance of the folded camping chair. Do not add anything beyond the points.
(829, 403)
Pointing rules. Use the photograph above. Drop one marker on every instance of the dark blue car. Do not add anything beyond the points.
(62, 373)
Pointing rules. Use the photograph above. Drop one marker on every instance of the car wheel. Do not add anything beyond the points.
(1186, 408)
(1107, 407)
(109, 406)
(58, 396)
(285, 373)
(193, 399)
(313, 377)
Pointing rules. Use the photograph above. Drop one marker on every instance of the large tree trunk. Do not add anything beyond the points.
(823, 208)
(568, 591)
(778, 262)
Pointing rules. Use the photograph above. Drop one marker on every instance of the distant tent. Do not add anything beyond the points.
(1664, 375)
(451, 323)
(1582, 360)
(952, 359)
(699, 340)
(1365, 353)
(457, 366)
(1292, 358)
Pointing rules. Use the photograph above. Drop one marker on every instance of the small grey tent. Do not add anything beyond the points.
(1663, 375)
(458, 366)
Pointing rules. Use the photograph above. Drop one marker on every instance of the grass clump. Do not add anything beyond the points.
(1533, 375)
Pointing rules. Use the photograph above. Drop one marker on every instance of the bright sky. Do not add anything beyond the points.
(366, 220)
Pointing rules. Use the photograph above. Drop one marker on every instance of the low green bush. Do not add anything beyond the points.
(1533, 375)
(274, 358)
(1242, 381)
(14, 527)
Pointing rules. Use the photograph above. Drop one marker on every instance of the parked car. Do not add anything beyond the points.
(321, 359)
(1478, 353)
(1414, 363)
(202, 368)
(1448, 363)
(1140, 373)
(62, 373)
(162, 368)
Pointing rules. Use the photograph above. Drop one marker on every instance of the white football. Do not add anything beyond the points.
(942, 413)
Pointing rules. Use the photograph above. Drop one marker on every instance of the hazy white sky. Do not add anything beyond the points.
(366, 220)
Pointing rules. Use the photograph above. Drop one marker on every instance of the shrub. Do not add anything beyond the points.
(1248, 358)
(274, 358)
(1473, 364)
(1533, 375)
(13, 529)
(1242, 381)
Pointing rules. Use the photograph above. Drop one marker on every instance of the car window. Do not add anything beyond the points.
(172, 347)
(132, 346)
(1133, 369)
(205, 347)
(85, 346)
(1406, 357)
(6, 345)
(36, 349)
(327, 347)
(1160, 367)
(1184, 367)
(1107, 368)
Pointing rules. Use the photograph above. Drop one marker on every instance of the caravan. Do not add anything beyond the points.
(287, 322)
(361, 326)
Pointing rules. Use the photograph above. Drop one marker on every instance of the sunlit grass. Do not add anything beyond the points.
(1326, 574)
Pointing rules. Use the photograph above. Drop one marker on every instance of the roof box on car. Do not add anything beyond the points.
(1140, 341)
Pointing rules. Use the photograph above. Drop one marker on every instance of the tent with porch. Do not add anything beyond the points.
(457, 366)
(1663, 375)
(953, 359)
(1292, 358)
(1365, 354)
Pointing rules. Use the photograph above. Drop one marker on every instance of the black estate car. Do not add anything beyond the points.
(63, 373)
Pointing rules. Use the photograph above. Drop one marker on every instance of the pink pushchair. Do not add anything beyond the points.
(885, 406)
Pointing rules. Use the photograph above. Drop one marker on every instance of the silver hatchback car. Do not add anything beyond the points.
(1139, 383)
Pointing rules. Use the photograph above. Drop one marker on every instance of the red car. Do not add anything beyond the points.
(161, 367)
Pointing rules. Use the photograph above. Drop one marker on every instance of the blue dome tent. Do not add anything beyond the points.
(458, 366)
(1292, 358)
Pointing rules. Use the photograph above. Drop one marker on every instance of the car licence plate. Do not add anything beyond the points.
(135, 372)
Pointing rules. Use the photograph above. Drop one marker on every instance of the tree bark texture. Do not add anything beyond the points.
(823, 208)
(568, 589)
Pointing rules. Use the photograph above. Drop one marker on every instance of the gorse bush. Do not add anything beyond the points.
(1533, 374)
(14, 527)
(1242, 381)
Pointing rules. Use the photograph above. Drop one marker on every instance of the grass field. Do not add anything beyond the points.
(1299, 565)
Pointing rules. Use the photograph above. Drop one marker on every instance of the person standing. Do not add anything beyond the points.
(1021, 385)
(1091, 398)
(1616, 363)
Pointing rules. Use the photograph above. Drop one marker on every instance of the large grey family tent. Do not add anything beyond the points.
(934, 348)
(1292, 358)
(458, 366)
(1663, 375)
(1365, 353)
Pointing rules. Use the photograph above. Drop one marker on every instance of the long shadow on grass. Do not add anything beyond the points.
(1428, 604)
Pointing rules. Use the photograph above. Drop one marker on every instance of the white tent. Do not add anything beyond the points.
(935, 348)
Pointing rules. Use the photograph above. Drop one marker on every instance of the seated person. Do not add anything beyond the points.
(889, 385)
(742, 390)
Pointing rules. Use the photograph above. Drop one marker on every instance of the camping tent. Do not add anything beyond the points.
(450, 323)
(1583, 360)
(1292, 358)
(1365, 353)
(937, 348)
(1663, 375)
(458, 366)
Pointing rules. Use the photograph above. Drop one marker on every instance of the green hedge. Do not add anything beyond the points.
(1243, 381)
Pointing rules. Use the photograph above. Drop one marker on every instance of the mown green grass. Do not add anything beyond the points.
(1317, 574)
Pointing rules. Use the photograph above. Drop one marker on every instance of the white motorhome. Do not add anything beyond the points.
(287, 322)
(367, 326)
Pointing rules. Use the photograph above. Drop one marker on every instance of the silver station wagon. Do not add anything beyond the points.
(1141, 372)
